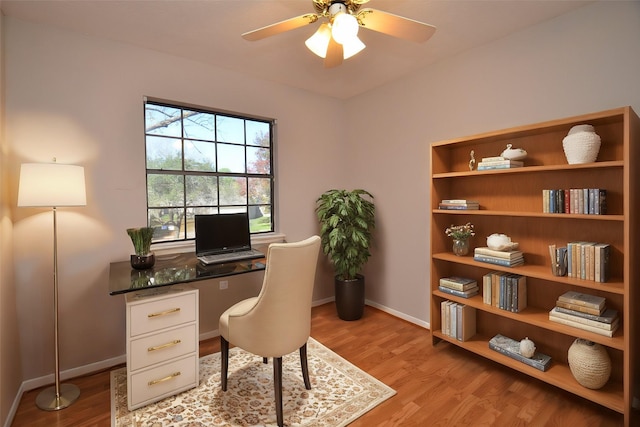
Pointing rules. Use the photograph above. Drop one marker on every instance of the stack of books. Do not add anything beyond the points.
(499, 162)
(458, 320)
(459, 286)
(586, 312)
(510, 347)
(505, 291)
(588, 201)
(459, 204)
(503, 258)
(588, 260)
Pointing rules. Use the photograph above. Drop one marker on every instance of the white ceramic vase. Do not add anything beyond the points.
(581, 145)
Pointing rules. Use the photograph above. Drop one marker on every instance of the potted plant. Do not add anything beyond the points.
(141, 239)
(347, 219)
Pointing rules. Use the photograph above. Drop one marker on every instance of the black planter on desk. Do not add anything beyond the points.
(142, 262)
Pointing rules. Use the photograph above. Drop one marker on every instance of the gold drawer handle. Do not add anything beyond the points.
(161, 380)
(160, 347)
(163, 313)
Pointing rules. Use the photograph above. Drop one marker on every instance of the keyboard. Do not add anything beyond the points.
(230, 257)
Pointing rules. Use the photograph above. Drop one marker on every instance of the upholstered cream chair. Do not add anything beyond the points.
(278, 320)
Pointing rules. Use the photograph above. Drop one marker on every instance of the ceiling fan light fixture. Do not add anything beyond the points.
(345, 27)
(319, 41)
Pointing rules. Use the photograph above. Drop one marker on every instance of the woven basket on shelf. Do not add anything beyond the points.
(589, 363)
(581, 145)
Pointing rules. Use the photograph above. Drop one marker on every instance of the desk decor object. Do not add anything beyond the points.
(141, 238)
(460, 235)
(53, 185)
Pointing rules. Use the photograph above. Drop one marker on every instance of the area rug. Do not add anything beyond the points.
(340, 393)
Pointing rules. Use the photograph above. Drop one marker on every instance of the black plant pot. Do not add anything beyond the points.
(350, 297)
(142, 262)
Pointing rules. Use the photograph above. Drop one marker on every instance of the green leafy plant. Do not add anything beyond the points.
(141, 239)
(347, 220)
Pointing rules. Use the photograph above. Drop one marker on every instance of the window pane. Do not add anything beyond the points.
(230, 129)
(259, 219)
(167, 224)
(231, 158)
(162, 120)
(202, 190)
(198, 125)
(199, 156)
(165, 190)
(258, 160)
(233, 191)
(258, 133)
(164, 153)
(259, 191)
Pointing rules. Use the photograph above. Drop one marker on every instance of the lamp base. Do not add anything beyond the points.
(48, 401)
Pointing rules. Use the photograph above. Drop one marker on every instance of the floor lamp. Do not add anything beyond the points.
(53, 185)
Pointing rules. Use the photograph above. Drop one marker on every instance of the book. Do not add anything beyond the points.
(466, 322)
(493, 159)
(486, 289)
(601, 261)
(584, 327)
(458, 283)
(582, 299)
(499, 261)
(580, 308)
(456, 206)
(607, 316)
(511, 348)
(463, 294)
(458, 202)
(610, 325)
(498, 254)
(499, 164)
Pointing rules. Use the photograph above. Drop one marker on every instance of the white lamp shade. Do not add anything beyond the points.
(352, 46)
(51, 184)
(319, 41)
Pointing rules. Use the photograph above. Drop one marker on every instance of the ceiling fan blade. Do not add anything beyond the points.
(394, 25)
(334, 54)
(280, 27)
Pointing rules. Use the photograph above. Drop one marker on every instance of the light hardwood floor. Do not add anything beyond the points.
(436, 386)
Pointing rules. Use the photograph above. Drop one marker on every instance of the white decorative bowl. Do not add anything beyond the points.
(513, 153)
(501, 242)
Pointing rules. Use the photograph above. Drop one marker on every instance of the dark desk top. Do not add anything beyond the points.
(173, 269)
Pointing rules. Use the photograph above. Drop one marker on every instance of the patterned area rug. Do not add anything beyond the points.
(340, 393)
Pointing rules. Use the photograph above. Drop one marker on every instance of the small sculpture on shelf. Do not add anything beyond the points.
(472, 162)
(460, 235)
(527, 348)
(513, 153)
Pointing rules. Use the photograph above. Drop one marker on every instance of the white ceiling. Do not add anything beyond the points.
(209, 31)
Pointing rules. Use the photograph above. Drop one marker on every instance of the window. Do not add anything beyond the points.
(200, 161)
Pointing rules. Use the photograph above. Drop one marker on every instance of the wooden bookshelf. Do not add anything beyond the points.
(511, 203)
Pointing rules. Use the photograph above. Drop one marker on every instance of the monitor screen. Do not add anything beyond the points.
(222, 233)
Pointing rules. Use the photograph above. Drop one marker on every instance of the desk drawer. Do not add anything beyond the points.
(163, 346)
(161, 313)
(165, 380)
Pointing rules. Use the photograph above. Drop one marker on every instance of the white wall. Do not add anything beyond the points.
(581, 62)
(80, 99)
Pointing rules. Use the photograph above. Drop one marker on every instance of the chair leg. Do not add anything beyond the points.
(305, 366)
(224, 358)
(277, 385)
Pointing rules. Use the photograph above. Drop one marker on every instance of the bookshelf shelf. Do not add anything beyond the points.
(511, 203)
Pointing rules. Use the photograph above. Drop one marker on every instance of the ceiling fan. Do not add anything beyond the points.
(337, 37)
